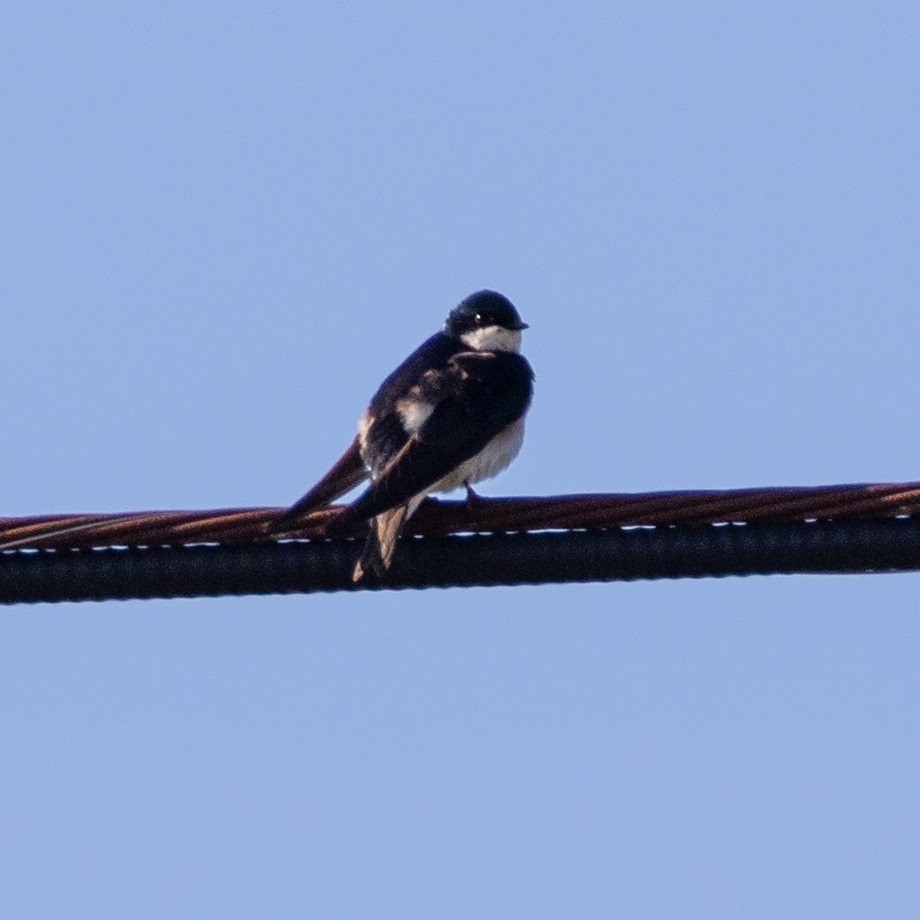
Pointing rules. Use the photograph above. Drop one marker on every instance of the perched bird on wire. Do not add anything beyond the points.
(452, 414)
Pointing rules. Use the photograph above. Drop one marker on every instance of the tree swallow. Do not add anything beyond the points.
(450, 415)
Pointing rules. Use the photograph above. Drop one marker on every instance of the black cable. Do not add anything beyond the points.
(485, 559)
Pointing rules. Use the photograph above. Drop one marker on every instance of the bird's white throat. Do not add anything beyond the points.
(492, 338)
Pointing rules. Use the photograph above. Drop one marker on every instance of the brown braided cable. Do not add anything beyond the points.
(872, 501)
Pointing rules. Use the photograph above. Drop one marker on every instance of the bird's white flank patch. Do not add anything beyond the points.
(414, 413)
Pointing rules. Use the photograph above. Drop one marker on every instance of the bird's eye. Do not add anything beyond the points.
(478, 319)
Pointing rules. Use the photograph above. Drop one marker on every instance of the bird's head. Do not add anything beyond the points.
(486, 321)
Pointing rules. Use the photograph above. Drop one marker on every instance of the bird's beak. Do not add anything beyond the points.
(521, 326)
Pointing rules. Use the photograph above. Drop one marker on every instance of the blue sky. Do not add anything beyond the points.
(223, 224)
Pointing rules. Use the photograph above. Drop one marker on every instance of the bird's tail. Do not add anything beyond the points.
(381, 543)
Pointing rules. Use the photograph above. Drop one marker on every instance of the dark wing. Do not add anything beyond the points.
(385, 434)
(382, 416)
(475, 397)
(344, 475)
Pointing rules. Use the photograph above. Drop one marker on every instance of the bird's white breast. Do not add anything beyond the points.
(489, 462)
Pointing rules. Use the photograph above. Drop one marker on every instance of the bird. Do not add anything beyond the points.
(451, 415)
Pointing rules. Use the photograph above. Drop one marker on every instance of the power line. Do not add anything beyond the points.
(568, 538)
(501, 515)
(452, 561)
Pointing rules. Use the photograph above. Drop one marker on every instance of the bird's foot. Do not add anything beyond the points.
(473, 499)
